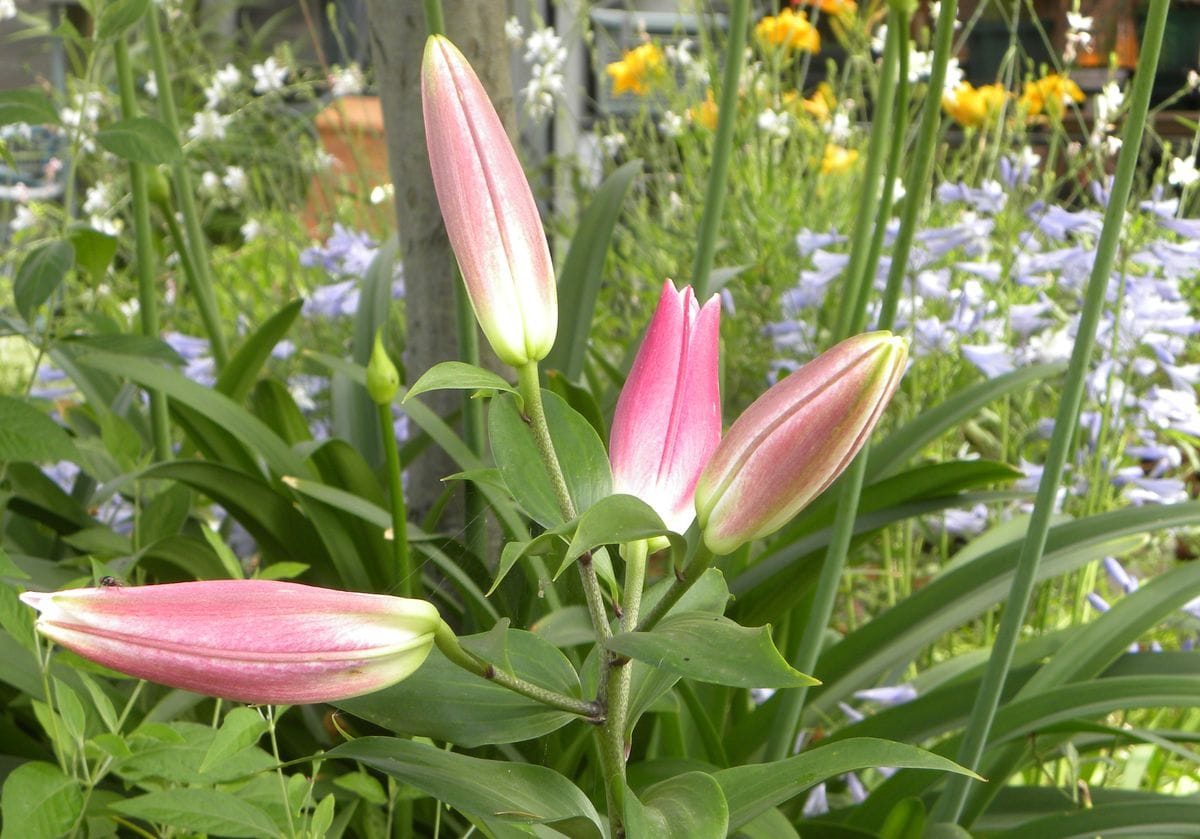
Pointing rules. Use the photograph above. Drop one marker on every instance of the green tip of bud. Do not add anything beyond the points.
(383, 380)
(158, 187)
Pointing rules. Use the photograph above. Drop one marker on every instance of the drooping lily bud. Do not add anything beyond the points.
(796, 439)
(248, 640)
(488, 208)
(668, 417)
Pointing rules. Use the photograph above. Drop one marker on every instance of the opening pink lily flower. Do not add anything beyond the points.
(668, 417)
(254, 641)
(488, 208)
(795, 439)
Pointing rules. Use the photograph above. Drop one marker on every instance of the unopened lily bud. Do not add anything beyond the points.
(796, 439)
(256, 641)
(488, 208)
(383, 380)
(668, 417)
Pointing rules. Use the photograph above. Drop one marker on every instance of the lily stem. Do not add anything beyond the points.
(450, 647)
(410, 583)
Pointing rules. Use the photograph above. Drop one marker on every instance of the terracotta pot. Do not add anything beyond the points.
(351, 132)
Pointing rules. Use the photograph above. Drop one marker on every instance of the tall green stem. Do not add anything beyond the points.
(727, 112)
(917, 182)
(950, 805)
(858, 282)
(410, 583)
(144, 249)
(474, 433)
(195, 252)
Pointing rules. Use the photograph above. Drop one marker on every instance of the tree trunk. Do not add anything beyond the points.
(398, 32)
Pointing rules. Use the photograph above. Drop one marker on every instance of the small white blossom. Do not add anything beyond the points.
(98, 198)
(879, 39)
(1183, 172)
(151, 86)
(251, 230)
(671, 124)
(1079, 23)
(1193, 79)
(269, 76)
(838, 128)
(23, 218)
(383, 193)
(235, 180)
(775, 124)
(545, 47)
(1108, 101)
(613, 143)
(935, 9)
(210, 184)
(109, 227)
(540, 94)
(514, 32)
(1027, 158)
(224, 82)
(346, 81)
(8, 9)
(207, 125)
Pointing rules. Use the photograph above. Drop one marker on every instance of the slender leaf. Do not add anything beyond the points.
(41, 272)
(29, 105)
(28, 435)
(237, 377)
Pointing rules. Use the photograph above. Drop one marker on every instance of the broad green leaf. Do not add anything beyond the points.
(70, 710)
(10, 569)
(26, 105)
(569, 626)
(754, 788)
(140, 140)
(118, 16)
(241, 728)
(28, 435)
(619, 519)
(200, 811)
(491, 646)
(17, 619)
(1167, 817)
(39, 802)
(42, 271)
(582, 456)
(94, 251)
(516, 792)
(458, 375)
(583, 270)
(444, 702)
(237, 377)
(175, 752)
(712, 648)
(690, 805)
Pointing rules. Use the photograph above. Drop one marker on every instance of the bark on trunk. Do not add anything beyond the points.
(398, 32)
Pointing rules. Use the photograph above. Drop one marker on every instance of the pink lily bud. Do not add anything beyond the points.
(488, 209)
(668, 418)
(248, 640)
(796, 439)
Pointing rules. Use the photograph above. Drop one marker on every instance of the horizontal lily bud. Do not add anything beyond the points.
(796, 439)
(254, 641)
(488, 208)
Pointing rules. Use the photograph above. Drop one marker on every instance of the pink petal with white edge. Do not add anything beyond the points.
(668, 418)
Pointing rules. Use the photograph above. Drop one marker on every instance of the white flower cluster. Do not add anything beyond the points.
(346, 81)
(545, 55)
(228, 188)
(1079, 35)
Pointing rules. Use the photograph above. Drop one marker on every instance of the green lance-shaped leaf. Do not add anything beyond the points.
(26, 434)
(712, 648)
(39, 802)
(27, 105)
(688, 806)
(200, 811)
(755, 788)
(458, 375)
(118, 16)
(140, 140)
(240, 729)
(514, 792)
(41, 272)
(619, 519)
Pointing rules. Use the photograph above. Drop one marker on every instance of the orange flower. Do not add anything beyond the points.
(705, 113)
(821, 104)
(974, 106)
(788, 30)
(637, 71)
(1050, 95)
(837, 8)
(837, 159)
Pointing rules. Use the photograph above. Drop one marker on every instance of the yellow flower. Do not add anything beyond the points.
(788, 30)
(705, 113)
(637, 71)
(1050, 95)
(820, 105)
(974, 106)
(837, 8)
(837, 159)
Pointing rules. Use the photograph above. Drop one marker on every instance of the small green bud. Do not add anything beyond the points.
(158, 187)
(383, 380)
